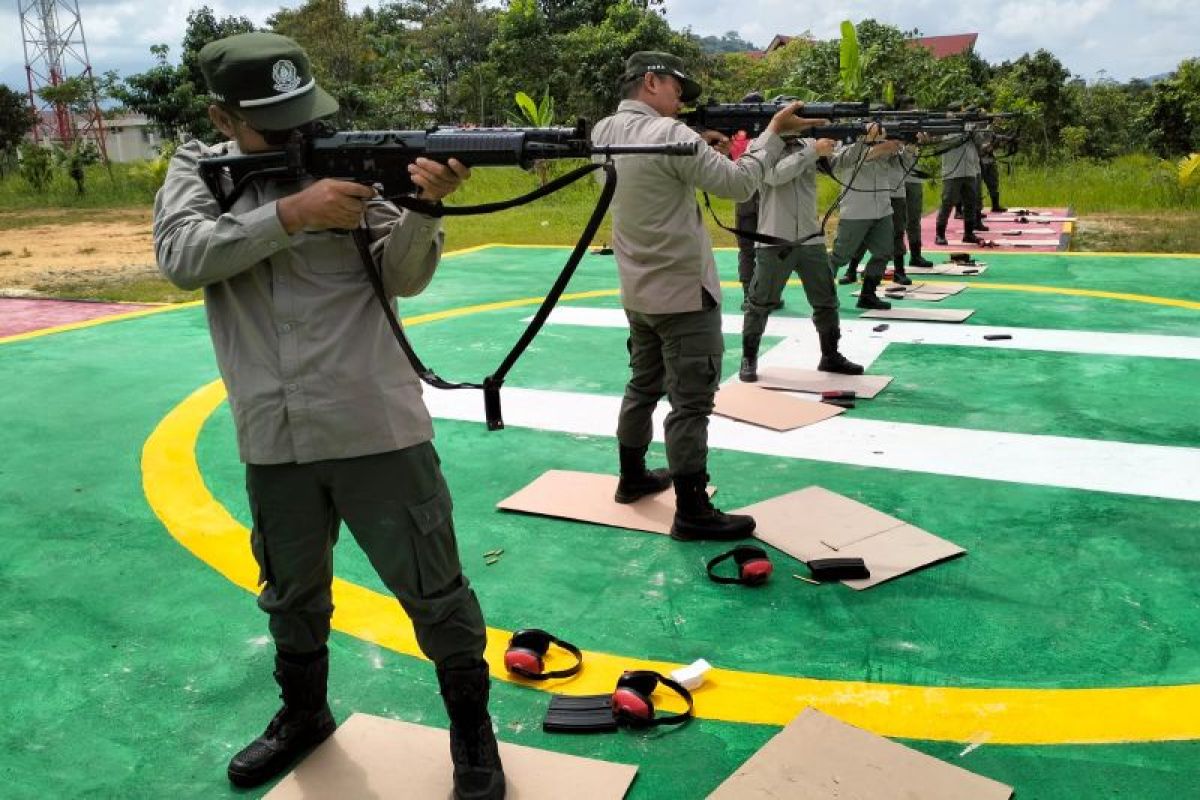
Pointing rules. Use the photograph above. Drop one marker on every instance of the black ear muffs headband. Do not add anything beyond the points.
(753, 563)
(633, 707)
(527, 652)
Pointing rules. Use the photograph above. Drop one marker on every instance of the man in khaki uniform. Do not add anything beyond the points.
(669, 284)
(865, 211)
(789, 212)
(329, 416)
(960, 171)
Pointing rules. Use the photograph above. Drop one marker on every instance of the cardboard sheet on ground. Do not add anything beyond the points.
(817, 523)
(1033, 220)
(770, 409)
(817, 757)
(588, 497)
(964, 270)
(1021, 241)
(814, 381)
(933, 287)
(372, 757)
(923, 314)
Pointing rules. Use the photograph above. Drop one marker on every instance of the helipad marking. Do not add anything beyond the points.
(175, 490)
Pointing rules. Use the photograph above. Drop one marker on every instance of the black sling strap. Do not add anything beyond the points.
(491, 384)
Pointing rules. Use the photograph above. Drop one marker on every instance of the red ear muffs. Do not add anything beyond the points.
(632, 706)
(753, 563)
(526, 654)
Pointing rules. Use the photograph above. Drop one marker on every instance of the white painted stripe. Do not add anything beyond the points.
(1116, 467)
(855, 332)
(279, 98)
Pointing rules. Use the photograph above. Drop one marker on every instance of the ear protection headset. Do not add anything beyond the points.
(527, 651)
(632, 706)
(753, 563)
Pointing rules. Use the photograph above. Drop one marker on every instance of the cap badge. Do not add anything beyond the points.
(285, 75)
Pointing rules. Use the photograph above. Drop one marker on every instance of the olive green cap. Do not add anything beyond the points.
(266, 78)
(645, 61)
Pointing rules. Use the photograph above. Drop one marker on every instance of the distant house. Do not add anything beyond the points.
(939, 46)
(946, 46)
(131, 137)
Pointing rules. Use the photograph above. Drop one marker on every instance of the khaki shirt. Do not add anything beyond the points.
(870, 193)
(663, 251)
(310, 363)
(963, 160)
(897, 177)
(909, 157)
(788, 207)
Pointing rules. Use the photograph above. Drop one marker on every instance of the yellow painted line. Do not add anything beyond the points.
(1132, 298)
(175, 490)
(91, 323)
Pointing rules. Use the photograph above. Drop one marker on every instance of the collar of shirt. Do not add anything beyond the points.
(637, 107)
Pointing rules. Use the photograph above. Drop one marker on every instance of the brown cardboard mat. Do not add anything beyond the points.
(922, 314)
(967, 270)
(1023, 242)
(817, 523)
(778, 411)
(818, 757)
(815, 381)
(372, 757)
(588, 497)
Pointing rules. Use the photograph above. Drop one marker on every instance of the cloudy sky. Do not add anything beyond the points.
(1124, 39)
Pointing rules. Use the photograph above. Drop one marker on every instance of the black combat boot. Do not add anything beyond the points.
(749, 371)
(939, 237)
(997, 208)
(636, 481)
(970, 238)
(696, 518)
(979, 226)
(898, 274)
(851, 275)
(917, 260)
(478, 773)
(831, 359)
(304, 721)
(867, 297)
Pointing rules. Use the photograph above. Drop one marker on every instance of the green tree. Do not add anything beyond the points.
(37, 165)
(1036, 86)
(1171, 115)
(16, 120)
(593, 57)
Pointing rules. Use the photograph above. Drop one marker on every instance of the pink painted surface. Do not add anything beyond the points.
(22, 315)
(997, 224)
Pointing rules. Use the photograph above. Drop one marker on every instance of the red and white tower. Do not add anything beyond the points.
(55, 51)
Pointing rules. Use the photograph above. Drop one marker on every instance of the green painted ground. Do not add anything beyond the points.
(133, 670)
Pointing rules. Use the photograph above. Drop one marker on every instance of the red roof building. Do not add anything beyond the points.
(946, 46)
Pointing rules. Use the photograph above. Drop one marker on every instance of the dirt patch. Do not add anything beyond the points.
(74, 248)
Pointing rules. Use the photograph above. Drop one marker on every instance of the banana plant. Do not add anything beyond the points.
(534, 115)
(850, 68)
(1187, 172)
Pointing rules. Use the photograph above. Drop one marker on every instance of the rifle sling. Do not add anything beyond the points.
(491, 385)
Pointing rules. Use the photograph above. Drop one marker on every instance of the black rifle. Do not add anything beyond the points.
(901, 130)
(381, 158)
(753, 118)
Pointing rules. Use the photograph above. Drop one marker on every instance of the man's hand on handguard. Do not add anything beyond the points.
(788, 120)
(437, 180)
(328, 203)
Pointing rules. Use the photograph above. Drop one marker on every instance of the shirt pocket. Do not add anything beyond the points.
(327, 252)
